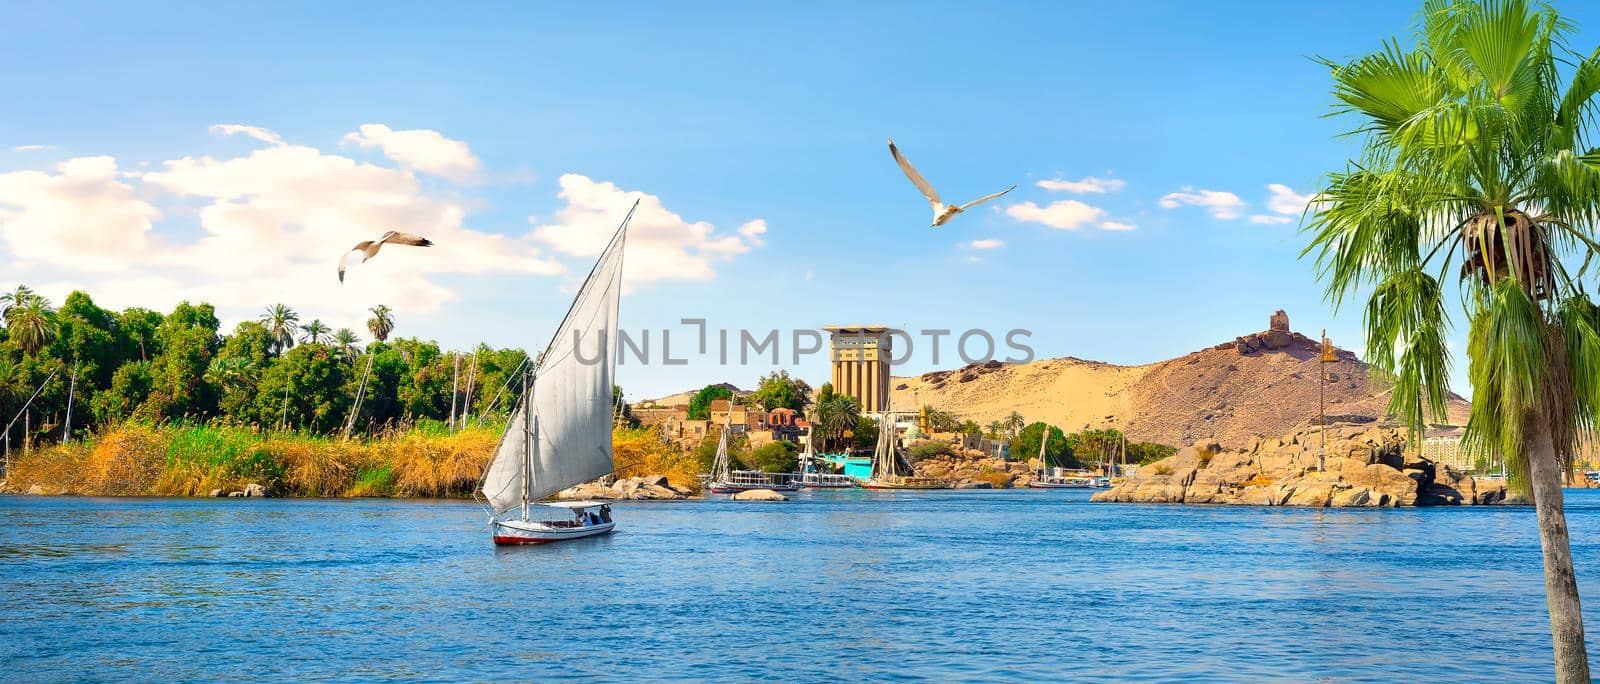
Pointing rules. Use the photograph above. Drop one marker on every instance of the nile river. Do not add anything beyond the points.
(1003, 585)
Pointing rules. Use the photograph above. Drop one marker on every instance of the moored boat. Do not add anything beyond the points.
(813, 478)
(886, 462)
(559, 433)
(725, 480)
(1047, 477)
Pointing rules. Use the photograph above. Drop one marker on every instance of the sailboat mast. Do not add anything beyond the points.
(530, 438)
(1044, 461)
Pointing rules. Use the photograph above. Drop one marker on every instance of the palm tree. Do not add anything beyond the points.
(280, 321)
(316, 332)
(381, 323)
(1475, 152)
(15, 298)
(1013, 424)
(346, 341)
(996, 428)
(837, 414)
(32, 324)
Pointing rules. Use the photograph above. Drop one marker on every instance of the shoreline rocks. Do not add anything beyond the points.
(971, 469)
(642, 488)
(1366, 467)
(759, 495)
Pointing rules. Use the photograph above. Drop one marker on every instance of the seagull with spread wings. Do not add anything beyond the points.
(942, 212)
(369, 248)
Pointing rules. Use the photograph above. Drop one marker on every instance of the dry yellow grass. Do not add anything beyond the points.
(643, 452)
(177, 460)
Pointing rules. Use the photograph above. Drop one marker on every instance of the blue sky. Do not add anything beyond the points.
(741, 116)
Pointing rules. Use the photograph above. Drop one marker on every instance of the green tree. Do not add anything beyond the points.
(16, 298)
(1026, 445)
(864, 435)
(1477, 160)
(705, 453)
(31, 324)
(700, 404)
(1013, 423)
(346, 341)
(381, 323)
(775, 457)
(315, 384)
(778, 390)
(281, 321)
(836, 414)
(138, 328)
(188, 340)
(316, 332)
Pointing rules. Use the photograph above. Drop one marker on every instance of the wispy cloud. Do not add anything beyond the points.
(256, 132)
(1116, 225)
(1285, 200)
(1087, 185)
(1220, 204)
(33, 148)
(988, 243)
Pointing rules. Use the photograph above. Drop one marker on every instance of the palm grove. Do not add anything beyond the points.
(277, 372)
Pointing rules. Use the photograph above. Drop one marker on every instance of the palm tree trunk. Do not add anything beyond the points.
(1560, 582)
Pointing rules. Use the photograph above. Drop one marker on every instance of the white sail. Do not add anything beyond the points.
(571, 399)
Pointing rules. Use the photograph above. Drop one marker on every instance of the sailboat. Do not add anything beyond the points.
(559, 434)
(1046, 478)
(812, 478)
(726, 480)
(886, 462)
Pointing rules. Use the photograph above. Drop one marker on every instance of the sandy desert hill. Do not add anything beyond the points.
(1258, 384)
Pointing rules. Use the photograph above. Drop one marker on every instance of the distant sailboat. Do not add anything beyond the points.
(559, 434)
(1045, 477)
(726, 480)
(812, 478)
(886, 462)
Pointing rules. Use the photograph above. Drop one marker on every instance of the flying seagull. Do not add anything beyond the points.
(942, 213)
(369, 248)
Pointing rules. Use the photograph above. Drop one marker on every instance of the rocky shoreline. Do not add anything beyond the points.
(1366, 467)
(642, 488)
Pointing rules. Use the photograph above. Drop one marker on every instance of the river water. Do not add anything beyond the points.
(972, 585)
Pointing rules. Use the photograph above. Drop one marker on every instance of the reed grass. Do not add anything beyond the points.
(136, 459)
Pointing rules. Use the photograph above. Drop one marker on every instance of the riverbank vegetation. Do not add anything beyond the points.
(425, 460)
(276, 373)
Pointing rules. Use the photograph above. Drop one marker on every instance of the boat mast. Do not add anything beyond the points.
(1044, 461)
(530, 436)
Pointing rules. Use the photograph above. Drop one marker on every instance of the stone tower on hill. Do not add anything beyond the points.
(1279, 321)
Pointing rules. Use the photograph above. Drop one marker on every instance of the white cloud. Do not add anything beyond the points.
(256, 132)
(755, 232)
(82, 215)
(1220, 204)
(1116, 225)
(1285, 200)
(661, 244)
(421, 149)
(1063, 214)
(989, 243)
(33, 148)
(1268, 219)
(1089, 185)
(242, 232)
